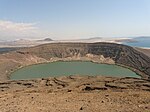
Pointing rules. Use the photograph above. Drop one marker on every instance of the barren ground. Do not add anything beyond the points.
(76, 94)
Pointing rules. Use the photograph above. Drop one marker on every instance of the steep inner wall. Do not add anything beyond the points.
(121, 54)
(101, 52)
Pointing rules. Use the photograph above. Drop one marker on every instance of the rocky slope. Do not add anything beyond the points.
(144, 51)
(121, 54)
(76, 94)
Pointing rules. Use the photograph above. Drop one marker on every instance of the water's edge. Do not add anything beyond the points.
(129, 68)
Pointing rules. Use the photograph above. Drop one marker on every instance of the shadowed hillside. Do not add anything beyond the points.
(121, 54)
(109, 53)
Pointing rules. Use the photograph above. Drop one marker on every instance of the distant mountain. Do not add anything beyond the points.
(46, 39)
(24, 42)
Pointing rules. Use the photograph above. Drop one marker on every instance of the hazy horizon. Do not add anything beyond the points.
(73, 19)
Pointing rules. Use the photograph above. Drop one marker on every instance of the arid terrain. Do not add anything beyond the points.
(76, 93)
(145, 51)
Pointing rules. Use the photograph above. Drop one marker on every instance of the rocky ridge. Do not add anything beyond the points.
(120, 54)
(109, 53)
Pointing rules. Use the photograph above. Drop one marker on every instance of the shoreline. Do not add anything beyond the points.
(143, 47)
(138, 73)
(53, 61)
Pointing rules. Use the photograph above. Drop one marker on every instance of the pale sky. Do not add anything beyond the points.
(73, 19)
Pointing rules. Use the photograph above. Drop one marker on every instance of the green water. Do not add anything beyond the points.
(71, 68)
